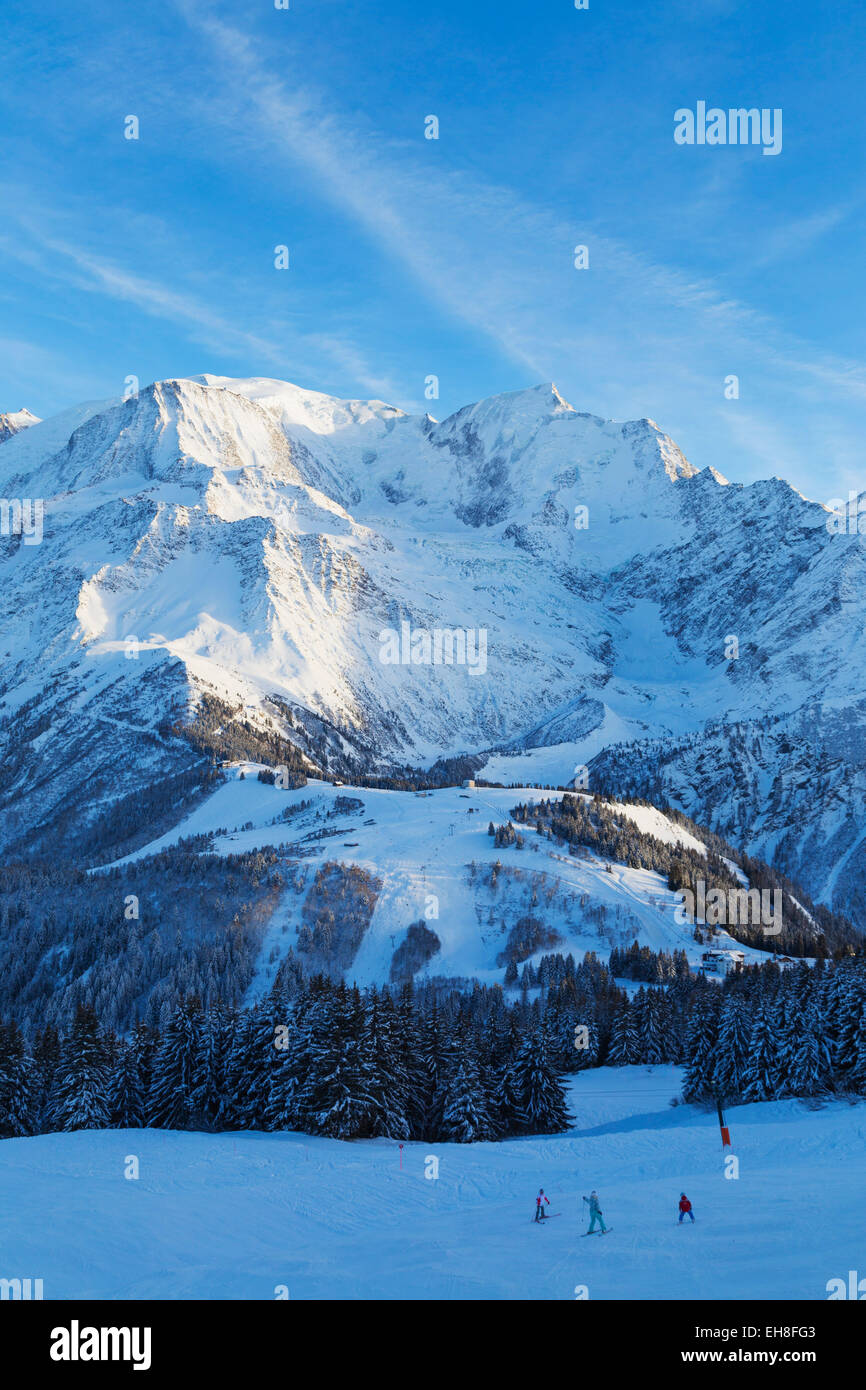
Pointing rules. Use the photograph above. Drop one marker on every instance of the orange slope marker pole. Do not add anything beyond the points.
(726, 1138)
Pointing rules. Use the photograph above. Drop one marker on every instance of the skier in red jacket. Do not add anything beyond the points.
(685, 1208)
(540, 1213)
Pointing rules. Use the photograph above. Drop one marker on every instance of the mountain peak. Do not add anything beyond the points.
(298, 405)
(255, 539)
(540, 400)
(15, 421)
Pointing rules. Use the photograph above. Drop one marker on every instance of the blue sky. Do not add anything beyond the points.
(451, 257)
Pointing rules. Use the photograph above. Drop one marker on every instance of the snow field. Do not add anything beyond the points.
(234, 1216)
(421, 847)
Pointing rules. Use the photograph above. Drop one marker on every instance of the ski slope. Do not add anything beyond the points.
(235, 1216)
(422, 846)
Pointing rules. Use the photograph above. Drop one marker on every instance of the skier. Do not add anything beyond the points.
(595, 1213)
(540, 1213)
(686, 1208)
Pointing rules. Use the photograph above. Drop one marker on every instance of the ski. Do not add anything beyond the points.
(605, 1232)
(546, 1218)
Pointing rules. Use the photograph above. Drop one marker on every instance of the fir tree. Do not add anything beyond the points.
(701, 1045)
(46, 1060)
(466, 1114)
(732, 1048)
(855, 1075)
(291, 1066)
(19, 1088)
(648, 1007)
(845, 1005)
(384, 1074)
(624, 1047)
(79, 1098)
(171, 1100)
(761, 1079)
(336, 1098)
(209, 1080)
(126, 1102)
(541, 1096)
(810, 1073)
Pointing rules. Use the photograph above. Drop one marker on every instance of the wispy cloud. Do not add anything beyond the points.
(60, 259)
(800, 235)
(21, 361)
(161, 302)
(485, 268)
(483, 253)
(349, 357)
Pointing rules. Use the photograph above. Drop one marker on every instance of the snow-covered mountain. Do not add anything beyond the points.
(14, 421)
(275, 549)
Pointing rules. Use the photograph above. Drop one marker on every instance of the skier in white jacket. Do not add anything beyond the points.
(540, 1213)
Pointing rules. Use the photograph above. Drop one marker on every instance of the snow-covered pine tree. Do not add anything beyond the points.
(126, 1102)
(340, 1103)
(732, 1048)
(209, 1071)
(79, 1098)
(810, 1073)
(440, 1052)
(543, 1106)
(580, 1038)
(144, 1042)
(407, 1038)
(648, 1010)
(46, 1060)
(170, 1103)
(557, 1022)
(855, 1075)
(845, 1001)
(19, 1087)
(260, 1058)
(787, 1016)
(761, 1078)
(335, 1097)
(234, 1109)
(339, 1099)
(291, 1066)
(624, 1047)
(701, 1033)
(384, 1074)
(505, 1100)
(672, 1030)
(466, 1114)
